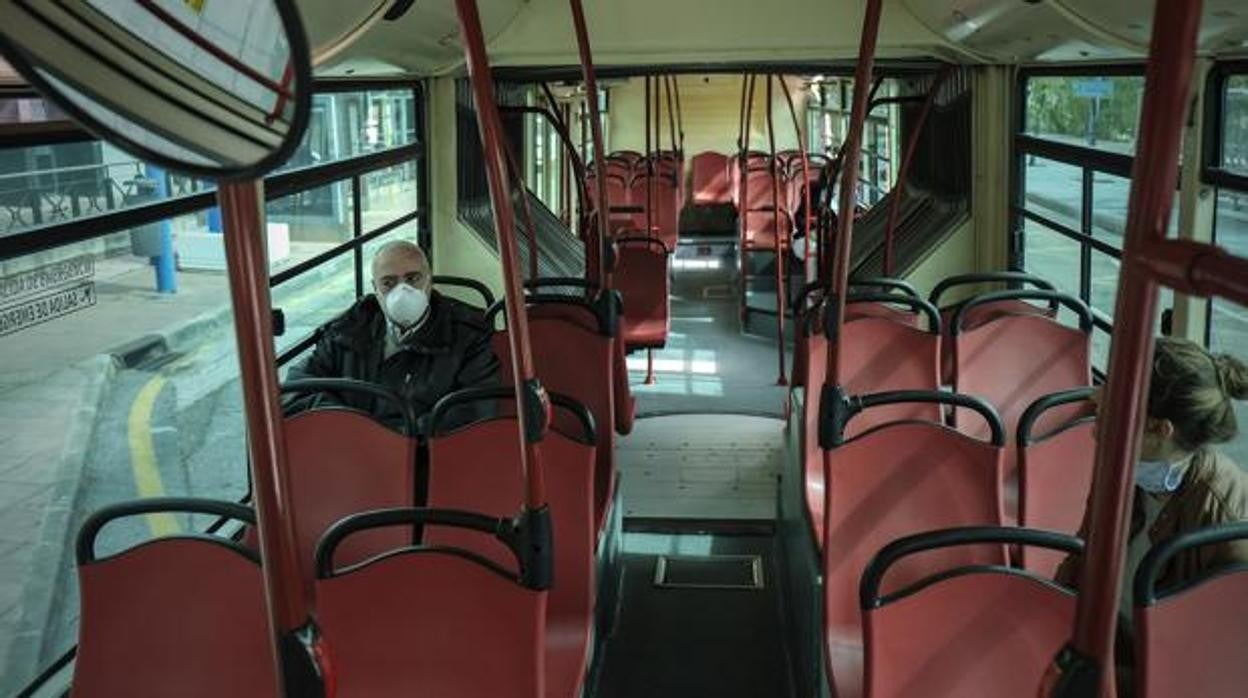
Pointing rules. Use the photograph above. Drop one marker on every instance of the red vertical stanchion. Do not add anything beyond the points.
(1085, 666)
(595, 130)
(806, 211)
(894, 206)
(532, 405)
(779, 232)
(839, 281)
(295, 636)
(743, 205)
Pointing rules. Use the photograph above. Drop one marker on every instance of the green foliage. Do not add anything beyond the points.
(1053, 108)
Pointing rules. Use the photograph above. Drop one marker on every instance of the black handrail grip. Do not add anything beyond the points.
(889, 283)
(916, 304)
(868, 591)
(642, 238)
(985, 278)
(606, 315)
(469, 395)
(382, 518)
(858, 403)
(85, 544)
(350, 385)
(465, 282)
(1159, 556)
(1077, 306)
(1024, 436)
(805, 292)
(561, 281)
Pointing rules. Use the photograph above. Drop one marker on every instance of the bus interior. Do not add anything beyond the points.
(824, 331)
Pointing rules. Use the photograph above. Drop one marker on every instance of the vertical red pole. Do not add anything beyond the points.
(780, 233)
(894, 206)
(1089, 661)
(649, 168)
(504, 221)
(248, 270)
(839, 283)
(801, 151)
(595, 129)
(743, 213)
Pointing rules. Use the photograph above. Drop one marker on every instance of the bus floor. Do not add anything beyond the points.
(701, 615)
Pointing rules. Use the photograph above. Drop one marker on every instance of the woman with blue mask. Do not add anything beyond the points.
(1183, 483)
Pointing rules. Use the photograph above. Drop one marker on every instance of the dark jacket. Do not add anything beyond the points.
(451, 351)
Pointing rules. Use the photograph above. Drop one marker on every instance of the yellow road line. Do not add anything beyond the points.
(143, 455)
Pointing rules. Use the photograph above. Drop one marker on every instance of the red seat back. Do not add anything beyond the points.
(1012, 360)
(712, 180)
(880, 354)
(812, 453)
(964, 632)
(1055, 473)
(172, 617)
(433, 622)
(897, 480)
(573, 357)
(341, 463)
(477, 469)
(642, 278)
(1192, 641)
(758, 187)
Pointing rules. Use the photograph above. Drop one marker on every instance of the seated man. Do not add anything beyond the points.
(404, 336)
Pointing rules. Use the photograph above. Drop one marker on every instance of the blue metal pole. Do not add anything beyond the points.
(166, 269)
(214, 219)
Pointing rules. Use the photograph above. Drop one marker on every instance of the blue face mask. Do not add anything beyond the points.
(1159, 476)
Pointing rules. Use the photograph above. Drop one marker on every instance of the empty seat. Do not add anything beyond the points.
(896, 480)
(175, 616)
(478, 289)
(1192, 641)
(1013, 359)
(641, 275)
(964, 631)
(435, 621)
(476, 468)
(812, 453)
(712, 179)
(1056, 462)
(657, 193)
(577, 352)
(879, 353)
(343, 462)
(984, 311)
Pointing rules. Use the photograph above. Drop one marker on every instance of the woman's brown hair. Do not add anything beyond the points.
(1196, 391)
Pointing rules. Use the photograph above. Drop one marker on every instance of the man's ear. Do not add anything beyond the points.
(1159, 427)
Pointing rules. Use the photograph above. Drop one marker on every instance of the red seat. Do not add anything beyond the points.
(665, 201)
(1056, 463)
(879, 353)
(896, 480)
(178, 616)
(343, 462)
(712, 180)
(476, 469)
(641, 275)
(574, 354)
(753, 159)
(965, 631)
(1012, 360)
(983, 312)
(812, 453)
(431, 621)
(1192, 641)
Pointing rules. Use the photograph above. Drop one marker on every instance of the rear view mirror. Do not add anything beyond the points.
(215, 88)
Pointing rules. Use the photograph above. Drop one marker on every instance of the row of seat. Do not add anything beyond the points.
(645, 194)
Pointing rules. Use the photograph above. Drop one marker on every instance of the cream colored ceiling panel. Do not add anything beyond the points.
(635, 32)
(1223, 27)
(424, 41)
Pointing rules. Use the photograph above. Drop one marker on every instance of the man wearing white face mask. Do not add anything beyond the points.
(1182, 483)
(405, 336)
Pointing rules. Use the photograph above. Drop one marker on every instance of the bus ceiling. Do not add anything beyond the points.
(422, 38)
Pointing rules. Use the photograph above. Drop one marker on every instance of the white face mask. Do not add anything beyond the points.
(406, 306)
(1159, 476)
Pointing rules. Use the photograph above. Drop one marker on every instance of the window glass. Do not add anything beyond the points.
(50, 184)
(1100, 348)
(110, 390)
(1052, 256)
(315, 297)
(346, 124)
(1229, 335)
(312, 221)
(1054, 190)
(1094, 111)
(1104, 290)
(1235, 125)
(388, 194)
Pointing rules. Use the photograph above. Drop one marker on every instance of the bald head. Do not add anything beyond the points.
(400, 261)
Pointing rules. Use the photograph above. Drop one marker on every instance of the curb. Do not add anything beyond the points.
(54, 546)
